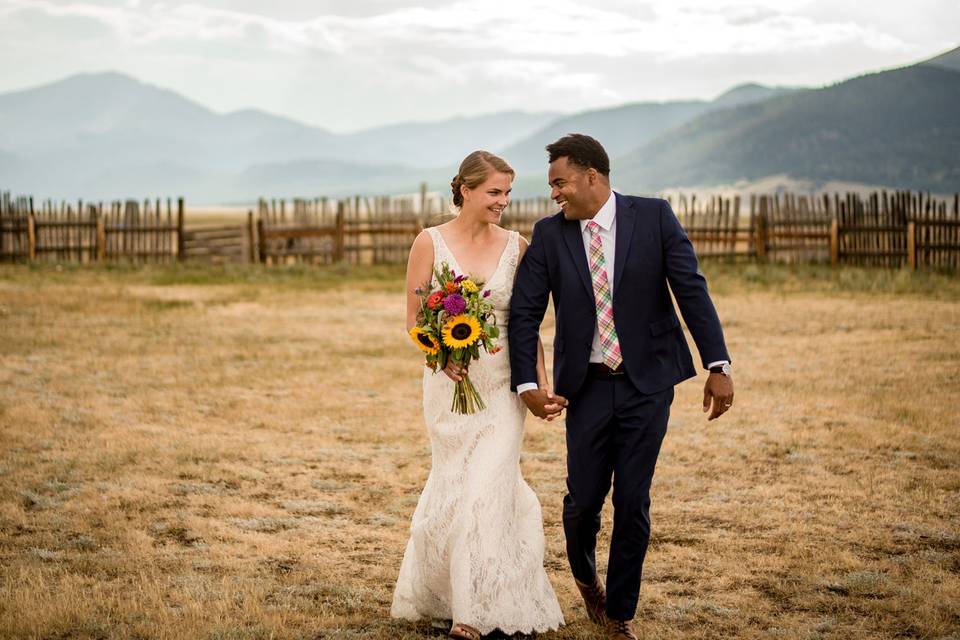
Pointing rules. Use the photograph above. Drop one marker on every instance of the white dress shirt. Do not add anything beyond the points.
(606, 217)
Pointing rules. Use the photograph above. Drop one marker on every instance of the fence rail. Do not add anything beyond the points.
(885, 229)
(217, 243)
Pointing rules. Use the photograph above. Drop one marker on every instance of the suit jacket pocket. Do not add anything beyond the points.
(662, 326)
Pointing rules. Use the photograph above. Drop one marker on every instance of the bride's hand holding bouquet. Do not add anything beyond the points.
(454, 321)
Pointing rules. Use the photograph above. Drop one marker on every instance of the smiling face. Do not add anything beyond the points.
(578, 192)
(488, 200)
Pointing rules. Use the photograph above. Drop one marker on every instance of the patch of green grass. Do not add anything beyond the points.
(165, 305)
(725, 277)
(295, 276)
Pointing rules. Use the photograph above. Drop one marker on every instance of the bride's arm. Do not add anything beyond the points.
(419, 274)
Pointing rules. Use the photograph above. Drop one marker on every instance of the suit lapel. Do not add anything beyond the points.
(625, 224)
(574, 239)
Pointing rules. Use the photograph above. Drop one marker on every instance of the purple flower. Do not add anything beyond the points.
(454, 304)
(486, 293)
(460, 279)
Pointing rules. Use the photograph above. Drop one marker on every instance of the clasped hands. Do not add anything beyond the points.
(546, 405)
(542, 402)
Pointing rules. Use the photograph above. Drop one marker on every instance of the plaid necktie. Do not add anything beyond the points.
(609, 345)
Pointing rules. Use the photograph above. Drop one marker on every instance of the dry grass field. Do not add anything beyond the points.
(235, 453)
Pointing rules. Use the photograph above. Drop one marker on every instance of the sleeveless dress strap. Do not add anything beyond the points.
(513, 252)
(433, 237)
(437, 245)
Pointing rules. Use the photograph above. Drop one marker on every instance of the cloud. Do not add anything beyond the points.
(549, 28)
(343, 65)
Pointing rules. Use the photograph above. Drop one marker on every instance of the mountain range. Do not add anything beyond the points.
(107, 135)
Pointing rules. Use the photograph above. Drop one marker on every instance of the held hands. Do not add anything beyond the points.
(719, 390)
(544, 403)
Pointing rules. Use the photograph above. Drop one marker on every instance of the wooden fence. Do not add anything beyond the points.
(885, 229)
(91, 232)
(363, 230)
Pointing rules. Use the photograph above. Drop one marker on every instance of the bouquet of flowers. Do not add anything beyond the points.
(454, 320)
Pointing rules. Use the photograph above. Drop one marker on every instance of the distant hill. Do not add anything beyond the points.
(622, 129)
(93, 122)
(106, 135)
(898, 128)
(435, 144)
(94, 135)
(749, 93)
(948, 60)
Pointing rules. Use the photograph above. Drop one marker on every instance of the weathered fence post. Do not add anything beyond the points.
(251, 238)
(262, 238)
(835, 242)
(31, 237)
(760, 231)
(912, 245)
(338, 238)
(181, 238)
(101, 239)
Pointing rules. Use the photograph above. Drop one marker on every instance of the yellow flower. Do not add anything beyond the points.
(469, 286)
(427, 343)
(461, 331)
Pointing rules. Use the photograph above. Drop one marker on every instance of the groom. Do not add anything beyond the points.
(619, 349)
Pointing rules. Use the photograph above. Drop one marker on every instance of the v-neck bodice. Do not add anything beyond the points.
(500, 283)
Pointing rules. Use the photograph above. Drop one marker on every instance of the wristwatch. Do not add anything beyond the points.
(724, 368)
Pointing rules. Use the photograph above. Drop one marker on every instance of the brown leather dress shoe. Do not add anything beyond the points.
(594, 599)
(620, 630)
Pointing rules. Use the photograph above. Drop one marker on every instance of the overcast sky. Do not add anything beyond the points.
(351, 64)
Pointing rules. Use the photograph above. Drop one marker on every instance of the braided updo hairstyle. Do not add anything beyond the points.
(474, 170)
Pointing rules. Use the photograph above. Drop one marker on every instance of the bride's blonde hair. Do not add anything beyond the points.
(474, 169)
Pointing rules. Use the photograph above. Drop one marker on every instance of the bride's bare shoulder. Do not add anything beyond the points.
(422, 246)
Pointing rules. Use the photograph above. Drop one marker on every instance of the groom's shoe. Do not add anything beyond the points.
(594, 599)
(620, 630)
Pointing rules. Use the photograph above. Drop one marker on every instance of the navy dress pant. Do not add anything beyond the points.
(614, 434)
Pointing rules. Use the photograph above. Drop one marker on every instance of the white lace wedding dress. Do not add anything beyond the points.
(475, 553)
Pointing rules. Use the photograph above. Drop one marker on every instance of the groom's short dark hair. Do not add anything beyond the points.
(582, 151)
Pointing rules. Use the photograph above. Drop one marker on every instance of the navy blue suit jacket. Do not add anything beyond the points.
(651, 251)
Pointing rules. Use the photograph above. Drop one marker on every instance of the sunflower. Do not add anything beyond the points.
(427, 343)
(461, 331)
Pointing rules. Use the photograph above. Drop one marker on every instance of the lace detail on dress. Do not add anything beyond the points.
(475, 553)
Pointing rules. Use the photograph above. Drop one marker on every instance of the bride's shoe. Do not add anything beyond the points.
(464, 632)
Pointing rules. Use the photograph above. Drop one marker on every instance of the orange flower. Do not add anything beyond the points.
(435, 299)
(451, 286)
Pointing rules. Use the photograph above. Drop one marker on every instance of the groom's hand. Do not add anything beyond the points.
(719, 392)
(544, 403)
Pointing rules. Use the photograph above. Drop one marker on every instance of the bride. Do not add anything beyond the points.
(475, 554)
